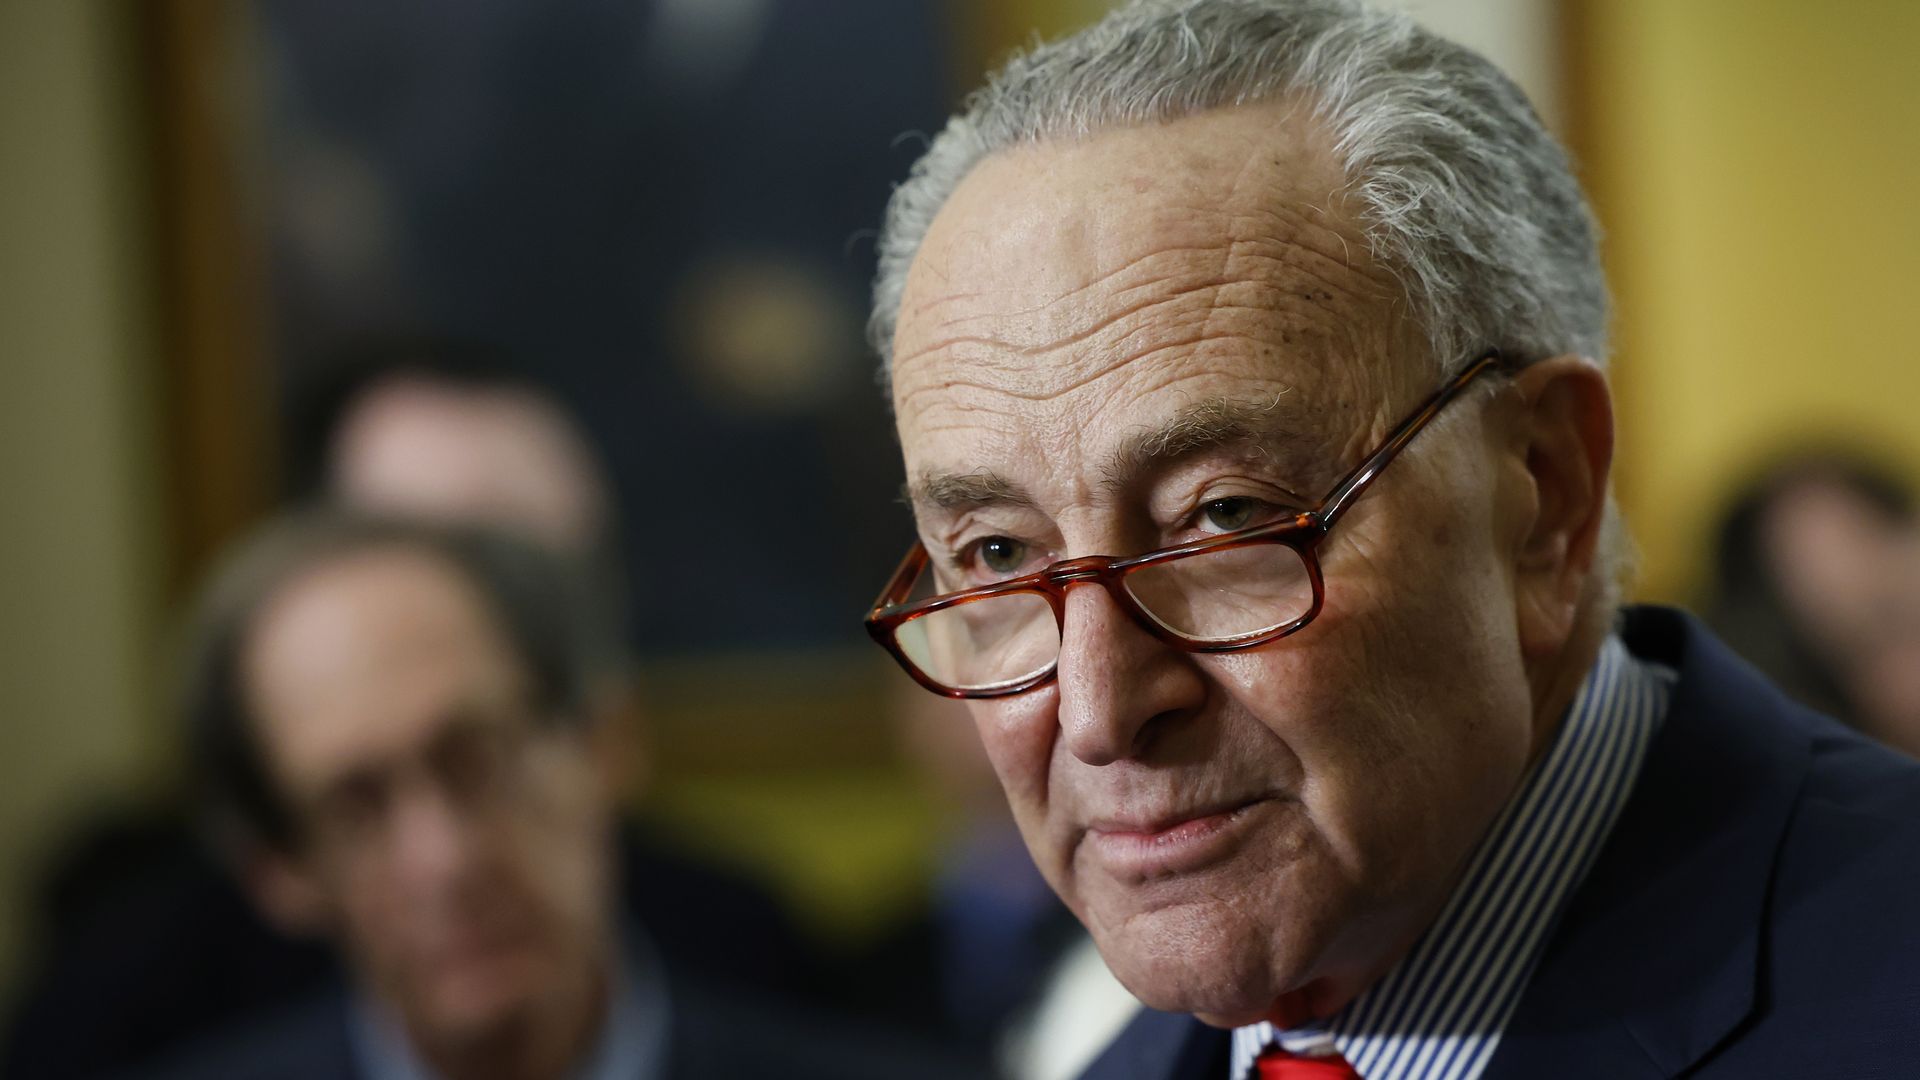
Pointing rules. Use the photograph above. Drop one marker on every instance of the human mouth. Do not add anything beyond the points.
(482, 945)
(1172, 843)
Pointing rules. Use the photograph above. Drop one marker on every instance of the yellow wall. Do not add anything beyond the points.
(78, 518)
(1757, 167)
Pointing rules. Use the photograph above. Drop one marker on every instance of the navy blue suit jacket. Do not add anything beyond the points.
(1756, 912)
(713, 1035)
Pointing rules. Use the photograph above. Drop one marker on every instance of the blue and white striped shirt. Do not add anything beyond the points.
(1439, 1014)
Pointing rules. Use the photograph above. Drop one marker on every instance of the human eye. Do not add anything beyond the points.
(476, 757)
(992, 558)
(351, 807)
(1231, 514)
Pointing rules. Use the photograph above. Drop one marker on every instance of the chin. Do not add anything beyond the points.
(484, 998)
(1213, 960)
(467, 1015)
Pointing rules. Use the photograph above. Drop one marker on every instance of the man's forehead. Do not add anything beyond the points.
(1099, 206)
(1089, 307)
(358, 652)
(1054, 264)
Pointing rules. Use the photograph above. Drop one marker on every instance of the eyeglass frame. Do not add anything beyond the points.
(1303, 533)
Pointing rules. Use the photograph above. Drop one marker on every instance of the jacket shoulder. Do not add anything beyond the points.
(1836, 955)
(306, 1041)
(1840, 957)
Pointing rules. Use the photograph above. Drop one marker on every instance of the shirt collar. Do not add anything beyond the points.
(1439, 1014)
(631, 1045)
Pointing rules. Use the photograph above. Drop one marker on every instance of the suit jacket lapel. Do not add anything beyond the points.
(1163, 1046)
(1657, 957)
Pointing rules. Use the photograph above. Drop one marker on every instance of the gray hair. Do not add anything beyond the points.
(1462, 194)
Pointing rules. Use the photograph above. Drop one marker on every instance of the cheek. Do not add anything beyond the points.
(1394, 701)
(1018, 734)
(376, 924)
(363, 895)
(563, 845)
(1312, 705)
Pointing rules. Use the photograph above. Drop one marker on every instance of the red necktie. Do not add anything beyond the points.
(1277, 1064)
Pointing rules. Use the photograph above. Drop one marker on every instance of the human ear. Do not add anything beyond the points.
(1563, 442)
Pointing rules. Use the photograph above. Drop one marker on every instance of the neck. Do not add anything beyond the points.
(1555, 681)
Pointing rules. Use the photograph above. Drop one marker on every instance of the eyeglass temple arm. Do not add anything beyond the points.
(902, 578)
(1357, 481)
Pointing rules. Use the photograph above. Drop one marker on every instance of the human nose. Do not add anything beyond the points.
(432, 842)
(1118, 684)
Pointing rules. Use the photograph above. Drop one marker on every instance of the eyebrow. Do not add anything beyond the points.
(1271, 426)
(964, 491)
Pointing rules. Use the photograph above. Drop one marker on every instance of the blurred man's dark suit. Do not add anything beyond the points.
(168, 954)
(1756, 912)
(712, 1035)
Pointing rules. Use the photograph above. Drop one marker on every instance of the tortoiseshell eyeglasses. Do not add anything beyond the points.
(1234, 591)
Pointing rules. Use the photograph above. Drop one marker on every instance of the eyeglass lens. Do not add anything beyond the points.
(1213, 597)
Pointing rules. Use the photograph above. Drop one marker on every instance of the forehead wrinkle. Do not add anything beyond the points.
(1171, 230)
(1274, 277)
(1194, 330)
(1249, 238)
(1118, 302)
(1200, 336)
(1197, 323)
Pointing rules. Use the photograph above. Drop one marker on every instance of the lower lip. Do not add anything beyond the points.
(1184, 848)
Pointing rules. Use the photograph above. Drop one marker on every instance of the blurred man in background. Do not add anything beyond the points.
(153, 946)
(450, 431)
(453, 431)
(1816, 581)
(398, 723)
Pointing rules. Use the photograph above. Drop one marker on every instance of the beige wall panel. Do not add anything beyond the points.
(77, 519)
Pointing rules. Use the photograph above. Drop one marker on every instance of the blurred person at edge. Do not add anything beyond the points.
(1816, 581)
(397, 718)
(450, 431)
(1247, 358)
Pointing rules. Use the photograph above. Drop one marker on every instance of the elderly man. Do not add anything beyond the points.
(1247, 357)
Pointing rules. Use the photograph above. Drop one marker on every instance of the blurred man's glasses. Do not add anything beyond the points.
(476, 768)
(1234, 591)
